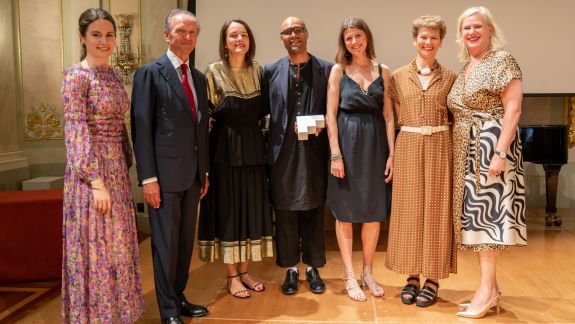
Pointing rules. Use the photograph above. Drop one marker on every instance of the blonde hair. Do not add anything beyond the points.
(497, 40)
(431, 22)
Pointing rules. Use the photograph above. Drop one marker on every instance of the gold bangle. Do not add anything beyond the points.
(336, 157)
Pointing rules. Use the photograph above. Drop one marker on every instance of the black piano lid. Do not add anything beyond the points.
(545, 144)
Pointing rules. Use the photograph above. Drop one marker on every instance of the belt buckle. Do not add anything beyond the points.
(426, 130)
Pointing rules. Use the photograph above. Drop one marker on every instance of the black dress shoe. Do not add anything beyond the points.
(289, 286)
(172, 320)
(190, 310)
(316, 285)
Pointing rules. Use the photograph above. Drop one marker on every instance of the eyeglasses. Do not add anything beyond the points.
(298, 30)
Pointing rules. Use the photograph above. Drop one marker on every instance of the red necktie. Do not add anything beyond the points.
(188, 91)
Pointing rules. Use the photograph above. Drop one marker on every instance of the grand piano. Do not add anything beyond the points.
(547, 145)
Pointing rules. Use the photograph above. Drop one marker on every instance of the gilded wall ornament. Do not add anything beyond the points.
(43, 122)
(123, 59)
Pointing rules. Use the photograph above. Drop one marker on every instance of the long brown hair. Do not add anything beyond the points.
(250, 54)
(343, 56)
(89, 16)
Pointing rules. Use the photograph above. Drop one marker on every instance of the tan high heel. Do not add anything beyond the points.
(367, 280)
(492, 303)
(466, 303)
(353, 290)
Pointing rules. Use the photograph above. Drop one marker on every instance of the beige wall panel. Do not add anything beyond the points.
(41, 49)
(535, 30)
(153, 15)
(71, 10)
(8, 81)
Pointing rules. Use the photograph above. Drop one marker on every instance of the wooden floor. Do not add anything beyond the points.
(537, 283)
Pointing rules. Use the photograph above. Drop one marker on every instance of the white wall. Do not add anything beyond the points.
(534, 29)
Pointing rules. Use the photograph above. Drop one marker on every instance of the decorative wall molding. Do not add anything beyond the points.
(13, 160)
(123, 58)
(43, 122)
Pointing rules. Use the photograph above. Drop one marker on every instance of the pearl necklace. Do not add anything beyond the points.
(426, 70)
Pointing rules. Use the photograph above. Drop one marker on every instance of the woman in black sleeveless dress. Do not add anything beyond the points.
(361, 134)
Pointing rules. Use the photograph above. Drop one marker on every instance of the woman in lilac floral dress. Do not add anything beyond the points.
(101, 267)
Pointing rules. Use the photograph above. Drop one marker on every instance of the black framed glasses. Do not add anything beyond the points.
(298, 30)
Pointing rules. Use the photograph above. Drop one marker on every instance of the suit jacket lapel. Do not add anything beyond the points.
(317, 81)
(201, 95)
(169, 73)
(283, 74)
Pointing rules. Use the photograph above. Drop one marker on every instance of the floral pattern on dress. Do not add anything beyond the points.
(101, 277)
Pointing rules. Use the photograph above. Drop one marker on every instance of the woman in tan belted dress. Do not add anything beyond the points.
(489, 205)
(421, 229)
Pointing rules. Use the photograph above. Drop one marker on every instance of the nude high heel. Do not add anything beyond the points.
(466, 303)
(493, 303)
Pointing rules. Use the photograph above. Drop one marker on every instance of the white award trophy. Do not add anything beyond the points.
(307, 125)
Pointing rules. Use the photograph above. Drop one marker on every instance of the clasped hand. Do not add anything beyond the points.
(497, 165)
(102, 201)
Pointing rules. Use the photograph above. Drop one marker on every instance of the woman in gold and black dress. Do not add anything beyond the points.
(235, 219)
(489, 191)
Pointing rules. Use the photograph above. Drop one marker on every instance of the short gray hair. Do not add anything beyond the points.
(176, 12)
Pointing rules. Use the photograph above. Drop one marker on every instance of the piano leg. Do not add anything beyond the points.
(551, 183)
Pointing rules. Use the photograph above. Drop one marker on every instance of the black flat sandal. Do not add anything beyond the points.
(428, 295)
(257, 287)
(411, 290)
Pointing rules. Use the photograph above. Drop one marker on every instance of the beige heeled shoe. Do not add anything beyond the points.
(353, 290)
(466, 303)
(367, 280)
(492, 303)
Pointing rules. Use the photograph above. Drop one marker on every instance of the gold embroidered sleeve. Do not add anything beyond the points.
(213, 93)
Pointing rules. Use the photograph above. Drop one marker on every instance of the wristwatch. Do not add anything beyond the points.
(501, 154)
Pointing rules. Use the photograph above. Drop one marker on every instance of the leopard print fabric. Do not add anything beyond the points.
(481, 92)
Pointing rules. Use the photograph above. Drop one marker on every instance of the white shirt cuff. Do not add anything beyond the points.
(149, 180)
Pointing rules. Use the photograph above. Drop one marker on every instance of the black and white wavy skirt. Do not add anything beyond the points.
(493, 206)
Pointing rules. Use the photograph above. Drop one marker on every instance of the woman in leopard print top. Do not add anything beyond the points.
(489, 191)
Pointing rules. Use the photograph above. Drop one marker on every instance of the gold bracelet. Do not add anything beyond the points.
(336, 157)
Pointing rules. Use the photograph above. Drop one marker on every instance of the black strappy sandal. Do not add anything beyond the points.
(428, 295)
(241, 294)
(257, 287)
(411, 290)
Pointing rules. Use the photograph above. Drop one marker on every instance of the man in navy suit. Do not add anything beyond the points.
(296, 85)
(170, 133)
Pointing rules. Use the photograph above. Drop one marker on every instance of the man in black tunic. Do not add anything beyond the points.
(296, 85)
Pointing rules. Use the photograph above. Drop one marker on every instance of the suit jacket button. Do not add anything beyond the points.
(196, 147)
